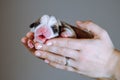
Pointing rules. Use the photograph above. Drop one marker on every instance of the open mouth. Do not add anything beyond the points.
(42, 38)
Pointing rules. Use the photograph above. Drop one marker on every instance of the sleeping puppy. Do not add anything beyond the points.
(49, 27)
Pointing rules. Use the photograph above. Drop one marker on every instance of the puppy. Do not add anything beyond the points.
(49, 27)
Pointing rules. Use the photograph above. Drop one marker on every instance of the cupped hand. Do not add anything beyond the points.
(28, 41)
(91, 57)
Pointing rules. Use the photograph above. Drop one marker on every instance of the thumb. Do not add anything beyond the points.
(90, 27)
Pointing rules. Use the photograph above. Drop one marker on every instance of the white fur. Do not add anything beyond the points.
(52, 21)
(47, 21)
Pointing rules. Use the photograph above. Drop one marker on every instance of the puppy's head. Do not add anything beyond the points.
(45, 28)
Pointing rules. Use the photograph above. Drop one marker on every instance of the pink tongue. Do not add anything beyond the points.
(42, 34)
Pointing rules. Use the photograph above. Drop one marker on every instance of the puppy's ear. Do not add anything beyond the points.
(35, 24)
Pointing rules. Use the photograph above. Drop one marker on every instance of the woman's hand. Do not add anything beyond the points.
(92, 57)
(28, 42)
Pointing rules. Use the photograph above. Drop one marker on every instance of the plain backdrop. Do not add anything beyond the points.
(16, 62)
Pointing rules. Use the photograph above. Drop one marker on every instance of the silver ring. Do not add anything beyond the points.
(67, 61)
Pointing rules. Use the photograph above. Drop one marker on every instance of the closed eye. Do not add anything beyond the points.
(55, 29)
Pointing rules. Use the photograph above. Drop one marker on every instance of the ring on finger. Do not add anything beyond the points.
(67, 61)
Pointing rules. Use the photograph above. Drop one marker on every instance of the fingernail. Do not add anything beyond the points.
(48, 43)
(37, 54)
(38, 46)
(46, 61)
(30, 44)
(23, 40)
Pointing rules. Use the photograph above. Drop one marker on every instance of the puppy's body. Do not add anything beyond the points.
(49, 27)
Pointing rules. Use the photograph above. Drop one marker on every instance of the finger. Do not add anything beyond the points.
(24, 40)
(30, 43)
(67, 33)
(90, 27)
(50, 57)
(66, 52)
(77, 44)
(68, 68)
(30, 35)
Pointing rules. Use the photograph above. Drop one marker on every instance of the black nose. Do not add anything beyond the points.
(34, 25)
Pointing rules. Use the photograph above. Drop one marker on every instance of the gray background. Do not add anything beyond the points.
(16, 63)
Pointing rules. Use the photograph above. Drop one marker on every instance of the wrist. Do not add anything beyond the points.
(117, 67)
(113, 66)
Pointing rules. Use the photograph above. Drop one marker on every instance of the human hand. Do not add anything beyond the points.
(91, 57)
(28, 42)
